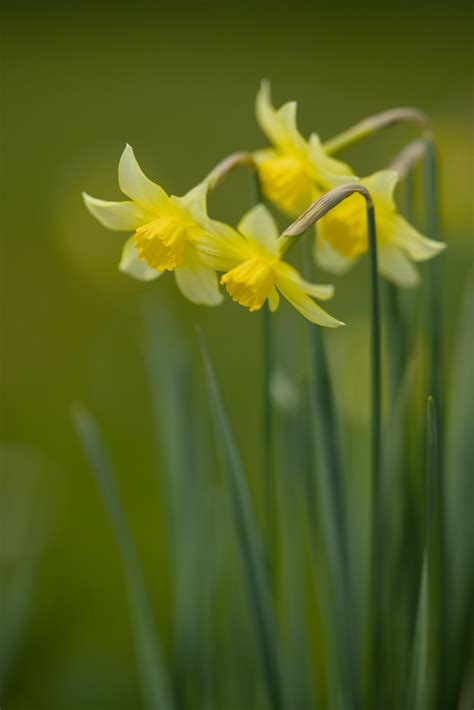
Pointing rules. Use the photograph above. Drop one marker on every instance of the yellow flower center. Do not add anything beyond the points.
(286, 181)
(161, 243)
(250, 283)
(345, 227)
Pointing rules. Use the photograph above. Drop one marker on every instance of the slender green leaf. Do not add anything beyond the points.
(154, 682)
(255, 574)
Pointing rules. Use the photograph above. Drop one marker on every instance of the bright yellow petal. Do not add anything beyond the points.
(197, 282)
(305, 305)
(135, 184)
(120, 216)
(402, 234)
(259, 226)
(273, 299)
(396, 267)
(329, 259)
(132, 265)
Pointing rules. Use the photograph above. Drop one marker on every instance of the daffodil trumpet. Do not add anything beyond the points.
(378, 122)
(165, 229)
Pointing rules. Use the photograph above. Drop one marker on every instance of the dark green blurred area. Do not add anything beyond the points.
(177, 83)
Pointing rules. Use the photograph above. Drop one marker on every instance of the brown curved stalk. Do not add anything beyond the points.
(408, 157)
(227, 165)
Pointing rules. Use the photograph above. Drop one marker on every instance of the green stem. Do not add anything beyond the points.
(376, 527)
(269, 487)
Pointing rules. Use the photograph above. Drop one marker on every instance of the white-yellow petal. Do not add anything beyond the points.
(120, 216)
(259, 226)
(132, 265)
(329, 259)
(396, 267)
(197, 282)
(381, 186)
(419, 248)
(135, 184)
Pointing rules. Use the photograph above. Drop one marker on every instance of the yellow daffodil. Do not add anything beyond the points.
(255, 273)
(165, 231)
(342, 234)
(294, 172)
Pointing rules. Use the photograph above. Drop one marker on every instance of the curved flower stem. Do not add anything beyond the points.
(408, 157)
(375, 123)
(215, 178)
(315, 212)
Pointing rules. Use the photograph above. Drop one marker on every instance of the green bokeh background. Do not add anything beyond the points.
(177, 83)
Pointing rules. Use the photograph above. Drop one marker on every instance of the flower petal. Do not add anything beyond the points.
(197, 282)
(135, 184)
(329, 259)
(329, 171)
(279, 126)
(194, 202)
(120, 216)
(396, 267)
(381, 186)
(418, 247)
(132, 265)
(321, 291)
(259, 226)
(273, 299)
(305, 305)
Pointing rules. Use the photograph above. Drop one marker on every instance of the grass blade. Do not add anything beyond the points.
(154, 681)
(418, 689)
(258, 590)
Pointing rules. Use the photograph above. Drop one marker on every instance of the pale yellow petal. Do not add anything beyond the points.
(193, 202)
(132, 265)
(135, 184)
(120, 216)
(396, 267)
(329, 259)
(402, 234)
(197, 282)
(329, 171)
(381, 186)
(305, 305)
(321, 291)
(279, 126)
(259, 226)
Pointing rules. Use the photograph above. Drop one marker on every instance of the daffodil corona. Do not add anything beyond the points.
(165, 231)
(254, 272)
(342, 234)
(294, 172)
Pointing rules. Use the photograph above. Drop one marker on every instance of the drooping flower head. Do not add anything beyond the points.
(342, 234)
(294, 172)
(251, 259)
(165, 231)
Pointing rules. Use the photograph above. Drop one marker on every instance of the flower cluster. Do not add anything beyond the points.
(176, 234)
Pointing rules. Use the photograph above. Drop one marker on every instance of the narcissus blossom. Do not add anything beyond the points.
(165, 231)
(342, 234)
(294, 172)
(254, 272)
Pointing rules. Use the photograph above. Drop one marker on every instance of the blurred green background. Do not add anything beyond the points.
(178, 83)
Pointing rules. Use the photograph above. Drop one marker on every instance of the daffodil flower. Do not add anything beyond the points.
(294, 172)
(342, 234)
(165, 231)
(255, 273)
